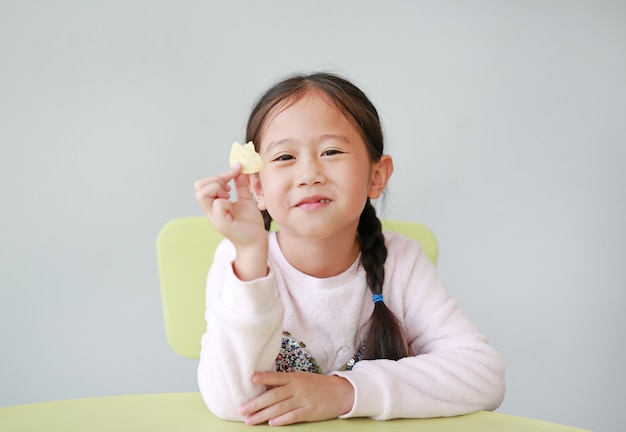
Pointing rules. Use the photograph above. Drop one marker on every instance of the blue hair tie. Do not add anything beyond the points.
(378, 298)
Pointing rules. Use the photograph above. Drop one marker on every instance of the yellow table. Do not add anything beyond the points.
(186, 412)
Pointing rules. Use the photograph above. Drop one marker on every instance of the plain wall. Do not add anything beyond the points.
(506, 121)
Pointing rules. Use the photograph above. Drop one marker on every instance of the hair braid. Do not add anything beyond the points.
(385, 338)
(267, 219)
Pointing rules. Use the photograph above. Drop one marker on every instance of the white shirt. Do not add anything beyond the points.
(454, 372)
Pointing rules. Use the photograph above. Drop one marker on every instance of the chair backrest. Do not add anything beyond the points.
(185, 249)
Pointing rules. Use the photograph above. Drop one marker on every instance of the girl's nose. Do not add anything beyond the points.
(310, 172)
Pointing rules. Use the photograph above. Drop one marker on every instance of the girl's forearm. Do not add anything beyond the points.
(251, 262)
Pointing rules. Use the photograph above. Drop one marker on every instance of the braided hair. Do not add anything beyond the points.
(385, 337)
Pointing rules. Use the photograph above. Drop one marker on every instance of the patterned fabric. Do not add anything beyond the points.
(354, 360)
(293, 357)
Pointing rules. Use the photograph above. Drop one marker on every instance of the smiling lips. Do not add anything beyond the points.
(313, 203)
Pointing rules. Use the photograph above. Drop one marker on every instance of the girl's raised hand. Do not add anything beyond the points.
(238, 220)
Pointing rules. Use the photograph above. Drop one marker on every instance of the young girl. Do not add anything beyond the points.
(328, 317)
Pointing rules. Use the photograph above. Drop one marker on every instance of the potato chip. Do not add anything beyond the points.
(245, 154)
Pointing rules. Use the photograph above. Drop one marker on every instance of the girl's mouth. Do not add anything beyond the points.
(313, 203)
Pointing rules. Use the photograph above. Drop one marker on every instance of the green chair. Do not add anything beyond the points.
(185, 249)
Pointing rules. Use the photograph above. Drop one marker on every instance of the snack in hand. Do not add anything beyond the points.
(247, 156)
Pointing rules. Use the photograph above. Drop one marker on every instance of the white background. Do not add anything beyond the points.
(506, 120)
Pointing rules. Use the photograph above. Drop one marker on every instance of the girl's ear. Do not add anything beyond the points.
(381, 172)
(254, 183)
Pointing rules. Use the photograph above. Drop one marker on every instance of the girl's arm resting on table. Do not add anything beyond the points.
(455, 372)
(244, 330)
(442, 384)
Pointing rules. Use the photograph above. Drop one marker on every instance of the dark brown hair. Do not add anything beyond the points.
(385, 337)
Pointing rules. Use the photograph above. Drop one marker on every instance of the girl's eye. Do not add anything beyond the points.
(331, 152)
(284, 157)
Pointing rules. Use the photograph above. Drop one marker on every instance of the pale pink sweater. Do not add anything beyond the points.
(454, 372)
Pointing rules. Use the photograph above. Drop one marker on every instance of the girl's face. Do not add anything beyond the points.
(318, 174)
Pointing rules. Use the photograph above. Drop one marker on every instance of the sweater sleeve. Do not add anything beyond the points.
(454, 370)
(244, 328)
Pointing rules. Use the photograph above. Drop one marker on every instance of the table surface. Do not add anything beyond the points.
(186, 412)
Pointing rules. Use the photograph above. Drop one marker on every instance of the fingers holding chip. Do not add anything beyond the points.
(247, 156)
